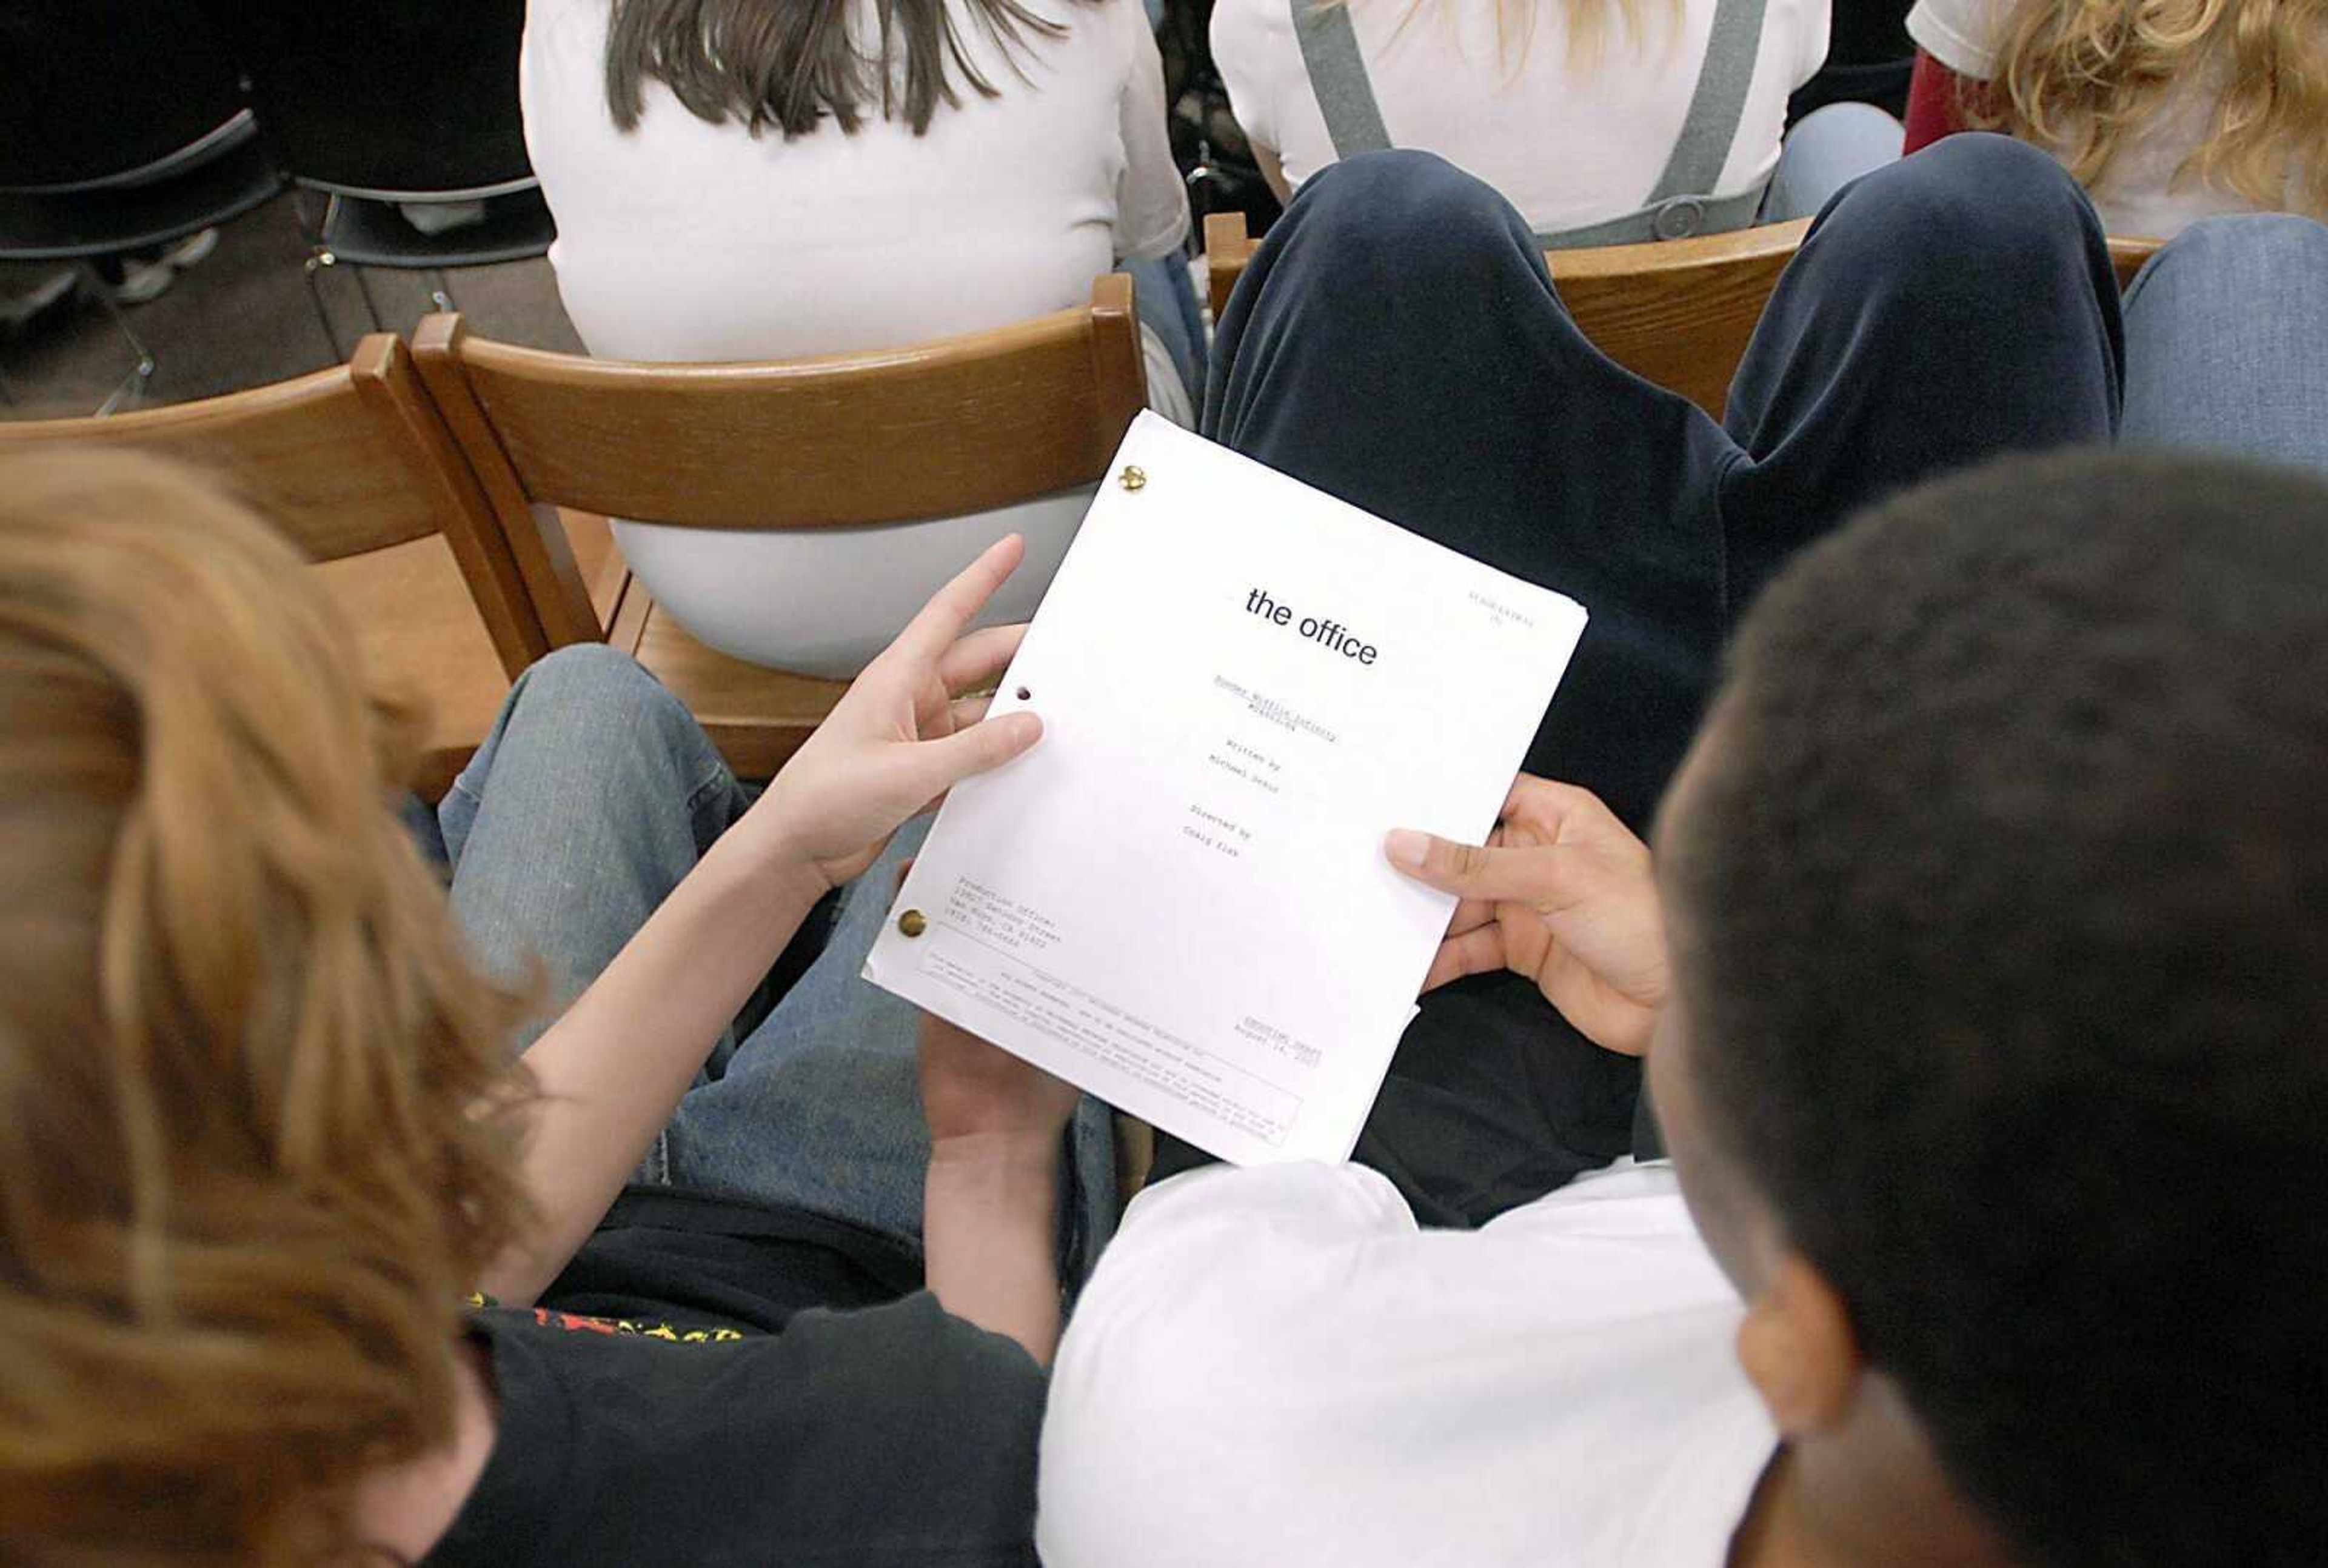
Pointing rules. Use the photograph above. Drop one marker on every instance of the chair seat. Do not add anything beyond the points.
(421, 637)
(369, 233)
(755, 716)
(98, 222)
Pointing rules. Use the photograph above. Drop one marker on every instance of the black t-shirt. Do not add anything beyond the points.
(715, 1384)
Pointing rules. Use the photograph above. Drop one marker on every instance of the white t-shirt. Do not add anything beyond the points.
(2142, 193)
(1565, 142)
(684, 241)
(1275, 1366)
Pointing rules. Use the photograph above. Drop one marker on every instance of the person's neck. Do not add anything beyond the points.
(1788, 1524)
(406, 1511)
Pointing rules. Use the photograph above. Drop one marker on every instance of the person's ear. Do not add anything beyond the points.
(1798, 1350)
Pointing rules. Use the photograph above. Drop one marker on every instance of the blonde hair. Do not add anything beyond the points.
(1589, 24)
(250, 1158)
(2085, 76)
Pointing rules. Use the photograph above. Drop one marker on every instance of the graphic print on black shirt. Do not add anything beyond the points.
(690, 1396)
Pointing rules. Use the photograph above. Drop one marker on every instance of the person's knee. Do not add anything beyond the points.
(1402, 209)
(590, 683)
(1987, 187)
(1978, 207)
(2249, 245)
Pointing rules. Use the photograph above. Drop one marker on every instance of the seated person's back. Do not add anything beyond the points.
(1992, 897)
(698, 223)
(1569, 108)
(2167, 114)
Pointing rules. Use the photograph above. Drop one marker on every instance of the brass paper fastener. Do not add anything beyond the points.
(913, 923)
(1133, 476)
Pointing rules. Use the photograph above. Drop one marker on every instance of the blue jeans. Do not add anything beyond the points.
(1167, 303)
(2227, 341)
(594, 794)
(1826, 150)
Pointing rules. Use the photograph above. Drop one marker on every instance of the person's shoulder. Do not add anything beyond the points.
(901, 1352)
(1224, 1206)
(1253, 1336)
(1262, 16)
(913, 1350)
(1119, 25)
(1227, 1250)
(1961, 35)
(1253, 31)
(954, 1411)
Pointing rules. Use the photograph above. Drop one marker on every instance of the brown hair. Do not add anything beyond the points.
(2085, 76)
(248, 1159)
(791, 64)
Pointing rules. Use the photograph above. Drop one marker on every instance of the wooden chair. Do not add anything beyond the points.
(1676, 311)
(354, 465)
(959, 425)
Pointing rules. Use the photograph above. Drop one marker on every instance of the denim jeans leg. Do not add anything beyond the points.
(2227, 341)
(833, 1069)
(1167, 303)
(1397, 341)
(1943, 311)
(1828, 149)
(594, 794)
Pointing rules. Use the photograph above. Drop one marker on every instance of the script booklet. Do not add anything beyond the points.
(1178, 900)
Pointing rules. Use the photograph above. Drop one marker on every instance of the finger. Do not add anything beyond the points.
(936, 626)
(904, 867)
(976, 659)
(966, 711)
(1470, 914)
(1570, 813)
(1480, 952)
(940, 765)
(1550, 876)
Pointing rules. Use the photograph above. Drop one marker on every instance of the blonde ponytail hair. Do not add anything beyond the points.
(1589, 24)
(248, 1159)
(2086, 76)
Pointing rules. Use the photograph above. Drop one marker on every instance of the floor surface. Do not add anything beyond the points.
(242, 318)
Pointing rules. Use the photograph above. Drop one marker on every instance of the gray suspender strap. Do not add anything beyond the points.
(1681, 204)
(1677, 208)
(1337, 76)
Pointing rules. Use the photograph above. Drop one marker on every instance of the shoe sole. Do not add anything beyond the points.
(192, 248)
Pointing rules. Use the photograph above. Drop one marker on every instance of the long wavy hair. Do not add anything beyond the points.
(795, 63)
(253, 1141)
(2086, 76)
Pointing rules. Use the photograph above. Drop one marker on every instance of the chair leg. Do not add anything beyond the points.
(315, 263)
(371, 305)
(133, 386)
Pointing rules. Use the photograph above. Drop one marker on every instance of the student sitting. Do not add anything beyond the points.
(2168, 111)
(260, 1132)
(1603, 121)
(1396, 341)
(1979, 968)
(772, 179)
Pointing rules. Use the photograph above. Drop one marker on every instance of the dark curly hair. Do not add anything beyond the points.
(2004, 934)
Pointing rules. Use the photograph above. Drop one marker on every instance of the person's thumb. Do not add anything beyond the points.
(940, 765)
(1538, 875)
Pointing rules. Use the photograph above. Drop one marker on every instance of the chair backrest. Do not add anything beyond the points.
(1676, 311)
(389, 99)
(955, 426)
(101, 91)
(346, 460)
(2127, 257)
